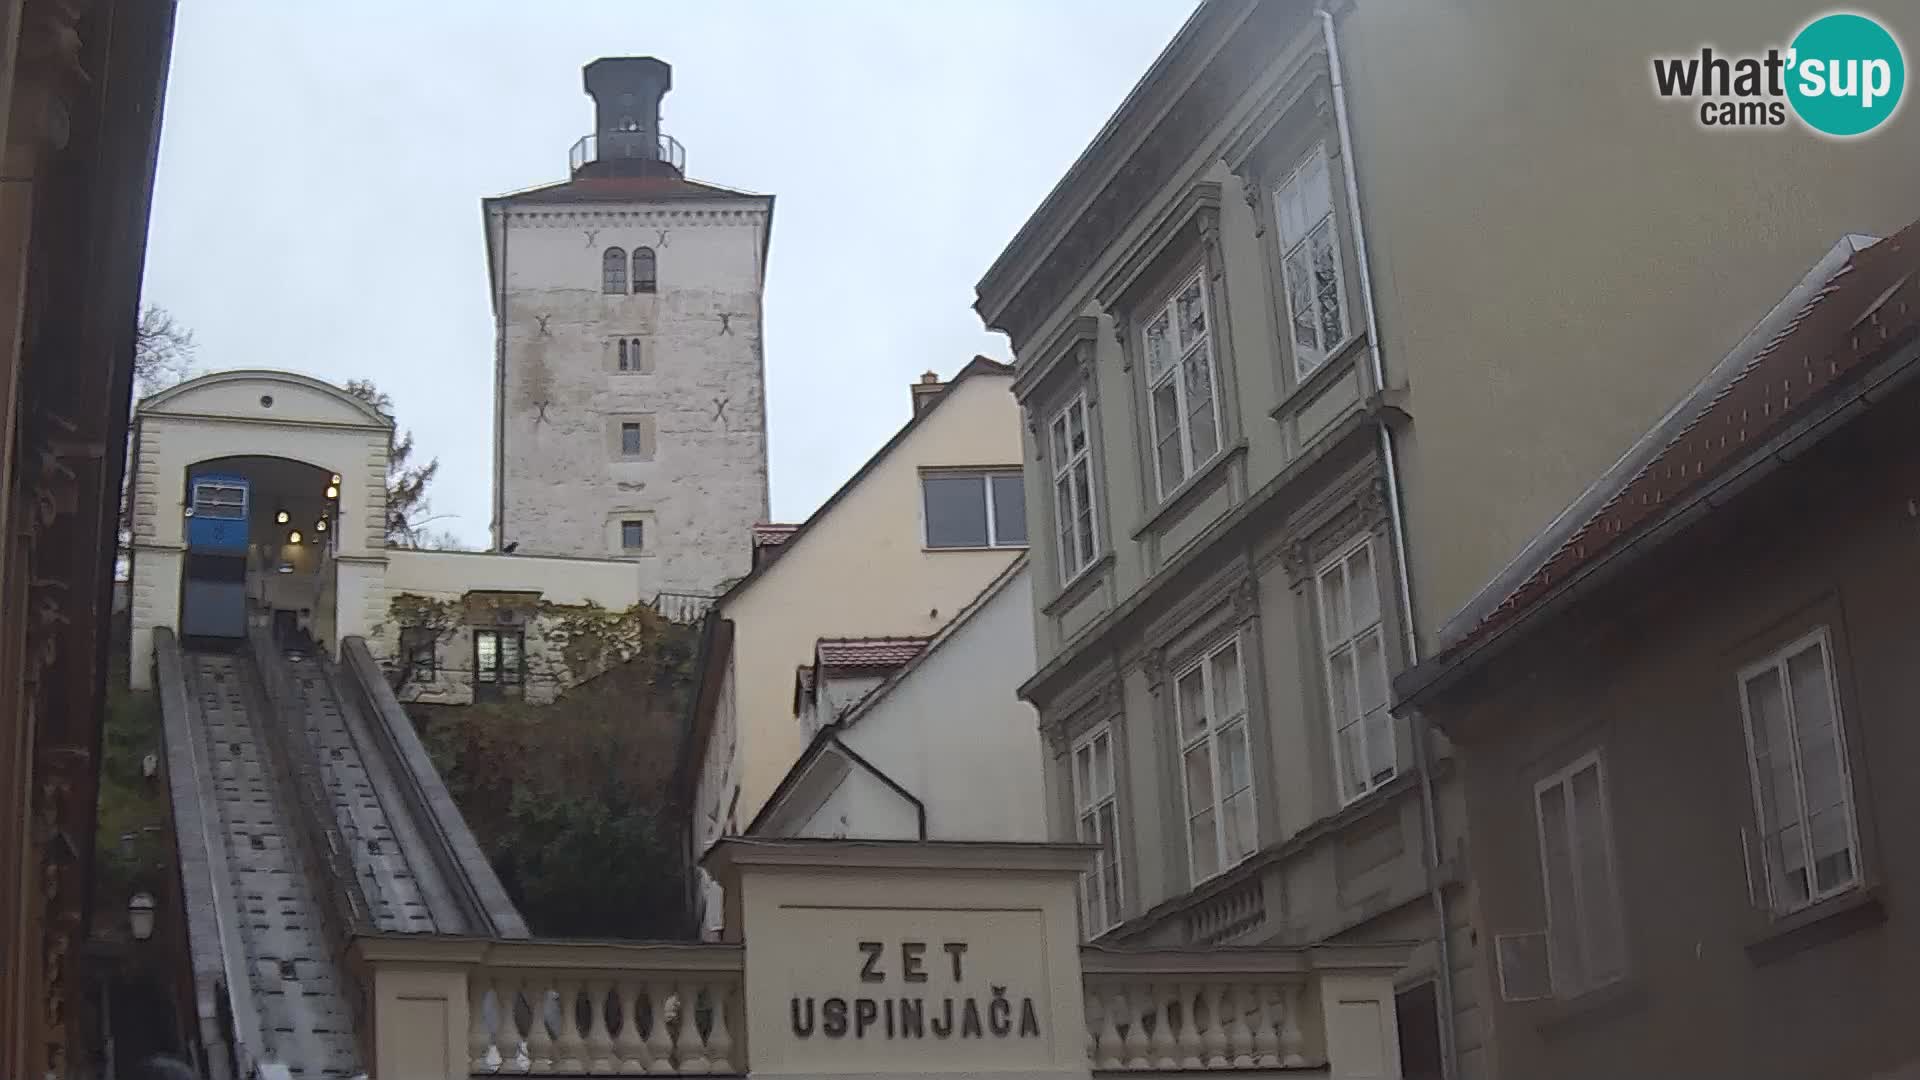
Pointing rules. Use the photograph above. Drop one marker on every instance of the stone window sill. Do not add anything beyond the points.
(1337, 367)
(1830, 920)
(1182, 497)
(1078, 585)
(1013, 548)
(1597, 1006)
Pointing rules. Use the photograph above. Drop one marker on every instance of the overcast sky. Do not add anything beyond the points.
(322, 165)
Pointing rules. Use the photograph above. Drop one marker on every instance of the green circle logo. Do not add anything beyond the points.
(1846, 74)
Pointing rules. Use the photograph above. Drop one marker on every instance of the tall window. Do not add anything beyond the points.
(631, 444)
(1585, 945)
(629, 354)
(632, 535)
(1096, 810)
(1185, 411)
(613, 271)
(1803, 793)
(974, 509)
(1310, 262)
(1356, 664)
(499, 657)
(1073, 487)
(643, 270)
(1210, 710)
(422, 653)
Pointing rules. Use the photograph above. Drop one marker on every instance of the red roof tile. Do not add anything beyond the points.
(869, 652)
(1870, 302)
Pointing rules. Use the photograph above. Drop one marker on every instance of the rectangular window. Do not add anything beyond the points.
(974, 509)
(632, 535)
(1802, 789)
(1585, 945)
(1096, 811)
(1073, 507)
(1310, 263)
(630, 444)
(1210, 712)
(1354, 645)
(1183, 406)
(227, 502)
(499, 657)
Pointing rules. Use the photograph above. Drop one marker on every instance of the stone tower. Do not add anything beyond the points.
(629, 392)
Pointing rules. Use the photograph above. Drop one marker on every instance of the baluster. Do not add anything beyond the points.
(1266, 1044)
(1239, 1035)
(1292, 1041)
(598, 1039)
(1215, 1035)
(1137, 1045)
(659, 1044)
(1110, 1043)
(506, 1036)
(479, 1039)
(1162, 998)
(719, 1041)
(539, 1040)
(1092, 1002)
(1190, 1045)
(569, 1049)
(629, 1047)
(689, 1047)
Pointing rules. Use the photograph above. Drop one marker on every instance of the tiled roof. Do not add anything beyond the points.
(1871, 302)
(882, 652)
(772, 533)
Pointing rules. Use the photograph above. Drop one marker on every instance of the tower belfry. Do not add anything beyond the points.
(626, 92)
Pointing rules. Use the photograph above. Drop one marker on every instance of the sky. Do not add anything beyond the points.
(317, 205)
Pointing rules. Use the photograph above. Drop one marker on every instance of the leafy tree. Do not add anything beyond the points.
(408, 512)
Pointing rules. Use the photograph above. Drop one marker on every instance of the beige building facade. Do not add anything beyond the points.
(897, 553)
(1337, 311)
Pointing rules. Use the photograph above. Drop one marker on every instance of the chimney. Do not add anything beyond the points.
(626, 92)
(924, 391)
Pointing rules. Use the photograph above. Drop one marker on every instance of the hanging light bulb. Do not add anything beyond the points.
(293, 537)
(320, 526)
(336, 478)
(281, 517)
(333, 491)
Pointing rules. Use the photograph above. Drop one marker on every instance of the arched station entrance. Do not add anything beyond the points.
(260, 550)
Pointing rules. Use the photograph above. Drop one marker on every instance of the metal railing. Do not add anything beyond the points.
(619, 145)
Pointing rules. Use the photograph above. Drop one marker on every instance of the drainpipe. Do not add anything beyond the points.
(1429, 806)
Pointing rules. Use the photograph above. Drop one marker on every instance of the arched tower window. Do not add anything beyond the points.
(643, 271)
(613, 271)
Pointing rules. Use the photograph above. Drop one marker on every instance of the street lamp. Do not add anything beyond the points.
(140, 916)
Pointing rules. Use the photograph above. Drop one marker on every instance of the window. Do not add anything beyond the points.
(422, 655)
(1585, 946)
(630, 444)
(643, 270)
(1210, 711)
(1803, 797)
(1310, 262)
(499, 657)
(629, 355)
(1096, 810)
(226, 502)
(1183, 409)
(1073, 487)
(974, 509)
(1356, 664)
(632, 535)
(613, 272)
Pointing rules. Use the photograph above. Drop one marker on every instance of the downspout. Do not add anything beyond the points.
(1429, 805)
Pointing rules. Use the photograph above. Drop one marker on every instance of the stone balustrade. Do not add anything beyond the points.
(1171, 1010)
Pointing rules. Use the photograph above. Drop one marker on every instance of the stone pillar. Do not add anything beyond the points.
(416, 992)
(1362, 1035)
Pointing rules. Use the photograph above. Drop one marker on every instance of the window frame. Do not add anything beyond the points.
(985, 474)
(639, 526)
(1063, 460)
(206, 499)
(1776, 661)
(1329, 649)
(630, 355)
(1306, 363)
(1182, 355)
(639, 434)
(1111, 907)
(613, 272)
(499, 675)
(648, 284)
(1210, 736)
(1584, 928)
